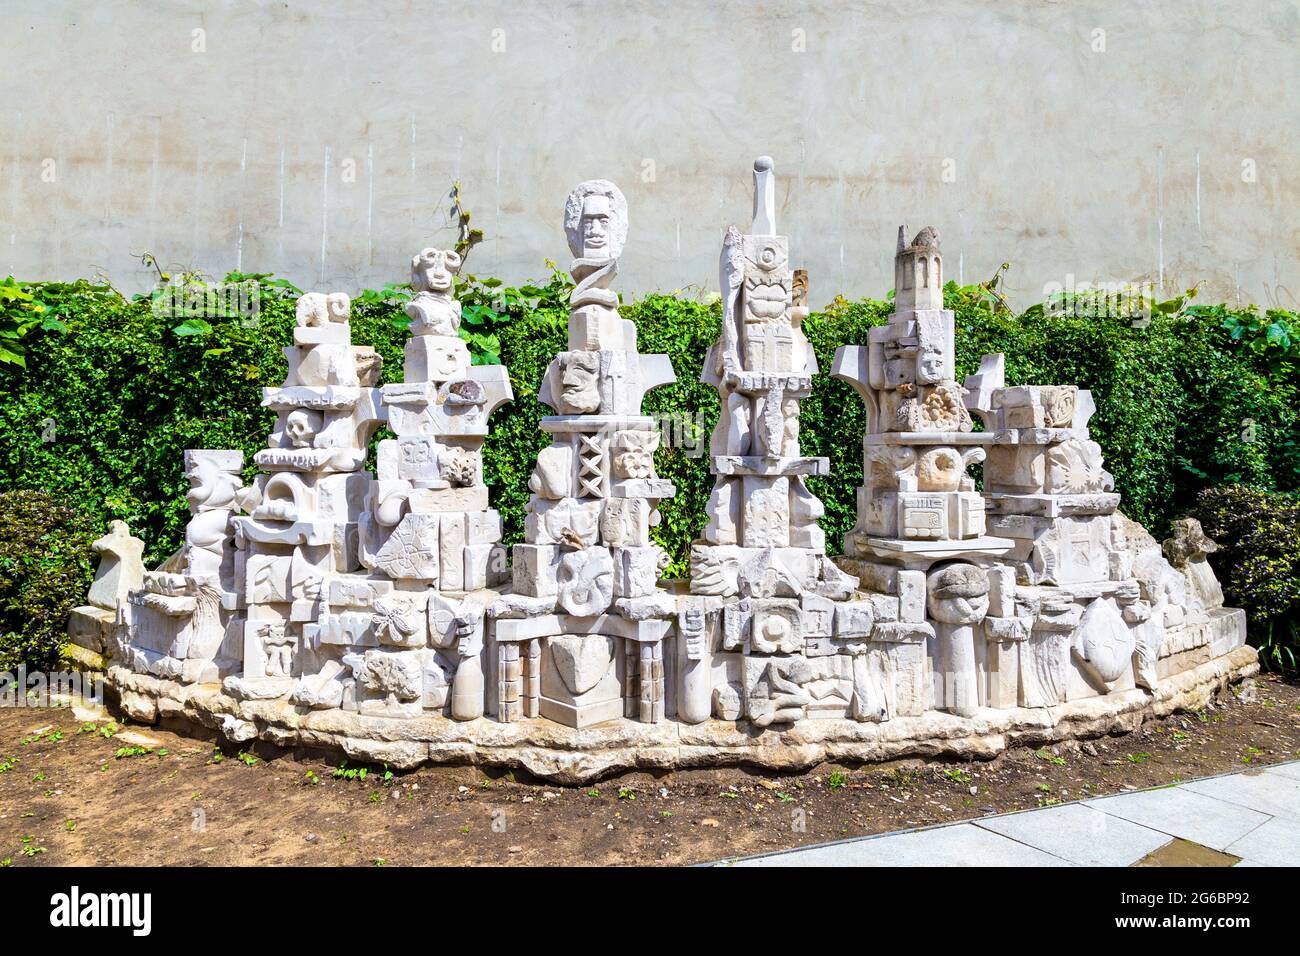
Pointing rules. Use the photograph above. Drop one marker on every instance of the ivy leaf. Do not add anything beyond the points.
(193, 327)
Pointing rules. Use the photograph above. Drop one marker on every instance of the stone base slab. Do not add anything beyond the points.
(575, 756)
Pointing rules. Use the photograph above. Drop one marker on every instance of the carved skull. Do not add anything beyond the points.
(301, 427)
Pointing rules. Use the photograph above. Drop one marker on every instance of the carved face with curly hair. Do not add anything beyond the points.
(595, 220)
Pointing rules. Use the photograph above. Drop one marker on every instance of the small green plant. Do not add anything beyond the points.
(1042, 753)
(70, 826)
(626, 793)
(593, 792)
(901, 778)
(7, 764)
(311, 778)
(344, 772)
(247, 759)
(1137, 758)
(957, 775)
(125, 752)
(375, 796)
(39, 777)
(837, 779)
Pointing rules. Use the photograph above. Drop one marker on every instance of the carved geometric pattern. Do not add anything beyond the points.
(591, 460)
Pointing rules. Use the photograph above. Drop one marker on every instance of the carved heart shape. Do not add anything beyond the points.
(582, 660)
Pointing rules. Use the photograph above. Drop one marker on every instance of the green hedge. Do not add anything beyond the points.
(1258, 564)
(45, 571)
(113, 392)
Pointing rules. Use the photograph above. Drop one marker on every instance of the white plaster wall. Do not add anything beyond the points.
(318, 140)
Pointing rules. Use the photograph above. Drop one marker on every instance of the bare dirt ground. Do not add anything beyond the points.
(74, 793)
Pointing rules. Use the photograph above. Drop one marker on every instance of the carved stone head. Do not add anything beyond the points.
(595, 220)
(958, 594)
(579, 393)
(1189, 543)
(434, 270)
(312, 310)
(212, 485)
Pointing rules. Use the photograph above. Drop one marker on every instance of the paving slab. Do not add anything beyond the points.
(1253, 815)
(1080, 834)
(1271, 793)
(959, 845)
(1275, 843)
(1184, 813)
(1291, 770)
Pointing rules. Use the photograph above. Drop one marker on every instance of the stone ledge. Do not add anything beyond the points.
(569, 756)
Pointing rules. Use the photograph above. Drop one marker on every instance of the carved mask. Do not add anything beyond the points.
(434, 270)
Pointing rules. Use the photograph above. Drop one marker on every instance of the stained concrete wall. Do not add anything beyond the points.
(1109, 140)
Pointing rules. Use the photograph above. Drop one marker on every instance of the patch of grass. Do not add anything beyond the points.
(837, 779)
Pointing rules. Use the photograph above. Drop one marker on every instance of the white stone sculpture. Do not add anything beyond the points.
(588, 555)
(182, 622)
(120, 571)
(377, 615)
